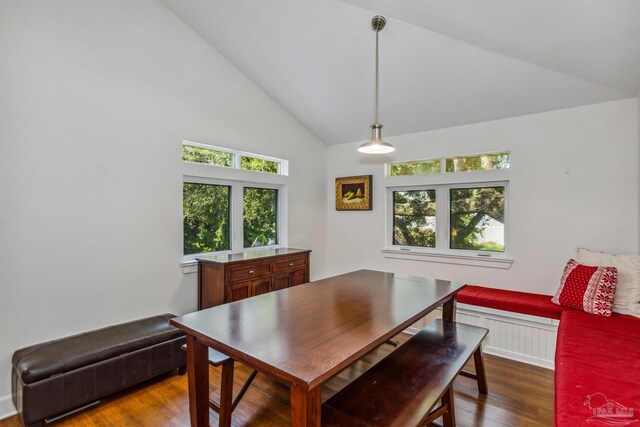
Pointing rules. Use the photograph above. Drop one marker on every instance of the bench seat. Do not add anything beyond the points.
(596, 356)
(514, 301)
(54, 377)
(403, 388)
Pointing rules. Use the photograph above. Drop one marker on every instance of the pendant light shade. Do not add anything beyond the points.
(376, 145)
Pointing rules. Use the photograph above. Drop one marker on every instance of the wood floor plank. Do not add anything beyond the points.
(520, 395)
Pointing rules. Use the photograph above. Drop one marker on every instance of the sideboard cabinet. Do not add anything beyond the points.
(232, 277)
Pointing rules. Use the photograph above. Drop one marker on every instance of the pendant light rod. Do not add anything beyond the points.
(376, 145)
(377, 24)
(377, 73)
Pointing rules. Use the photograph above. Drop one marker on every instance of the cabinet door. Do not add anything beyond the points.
(259, 287)
(298, 277)
(280, 281)
(239, 291)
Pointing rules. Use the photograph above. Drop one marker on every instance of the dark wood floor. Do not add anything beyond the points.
(519, 395)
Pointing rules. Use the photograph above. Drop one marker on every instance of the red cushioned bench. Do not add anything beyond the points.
(514, 301)
(597, 361)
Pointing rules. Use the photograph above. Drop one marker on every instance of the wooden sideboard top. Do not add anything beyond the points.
(251, 255)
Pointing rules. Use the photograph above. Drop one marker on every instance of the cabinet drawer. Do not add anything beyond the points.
(286, 264)
(249, 272)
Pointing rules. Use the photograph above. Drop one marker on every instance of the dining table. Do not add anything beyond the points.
(304, 335)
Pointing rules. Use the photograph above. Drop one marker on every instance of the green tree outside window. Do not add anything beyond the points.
(206, 217)
(260, 212)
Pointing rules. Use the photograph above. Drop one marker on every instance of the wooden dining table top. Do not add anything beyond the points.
(308, 333)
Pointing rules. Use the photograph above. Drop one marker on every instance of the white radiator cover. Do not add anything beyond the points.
(521, 337)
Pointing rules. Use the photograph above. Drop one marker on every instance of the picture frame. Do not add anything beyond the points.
(353, 193)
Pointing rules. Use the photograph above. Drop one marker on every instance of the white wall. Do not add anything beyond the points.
(96, 99)
(573, 182)
(4, 404)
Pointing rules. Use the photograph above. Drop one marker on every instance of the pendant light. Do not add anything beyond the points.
(376, 145)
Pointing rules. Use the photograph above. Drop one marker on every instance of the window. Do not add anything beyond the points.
(206, 213)
(243, 208)
(477, 162)
(195, 152)
(259, 165)
(469, 218)
(260, 207)
(414, 218)
(230, 216)
(420, 167)
(477, 218)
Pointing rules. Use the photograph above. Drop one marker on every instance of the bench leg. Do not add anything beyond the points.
(481, 376)
(449, 418)
(226, 394)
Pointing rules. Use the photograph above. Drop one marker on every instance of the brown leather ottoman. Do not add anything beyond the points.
(55, 377)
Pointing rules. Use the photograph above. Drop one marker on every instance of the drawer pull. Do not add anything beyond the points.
(251, 271)
(290, 264)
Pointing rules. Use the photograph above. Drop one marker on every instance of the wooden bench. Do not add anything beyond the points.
(227, 405)
(403, 388)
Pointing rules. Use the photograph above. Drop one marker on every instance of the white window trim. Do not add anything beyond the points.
(442, 253)
(283, 165)
(189, 263)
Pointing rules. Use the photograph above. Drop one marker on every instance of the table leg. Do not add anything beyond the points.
(198, 378)
(449, 309)
(226, 394)
(306, 406)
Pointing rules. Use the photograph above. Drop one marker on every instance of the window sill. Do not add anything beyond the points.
(189, 266)
(447, 258)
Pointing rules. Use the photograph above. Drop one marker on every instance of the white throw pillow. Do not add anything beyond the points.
(627, 296)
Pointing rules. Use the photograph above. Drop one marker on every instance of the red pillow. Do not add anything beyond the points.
(587, 288)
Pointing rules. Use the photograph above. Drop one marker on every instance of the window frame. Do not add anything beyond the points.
(236, 217)
(443, 165)
(443, 221)
(283, 165)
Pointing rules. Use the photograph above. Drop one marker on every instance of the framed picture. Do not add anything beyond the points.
(353, 193)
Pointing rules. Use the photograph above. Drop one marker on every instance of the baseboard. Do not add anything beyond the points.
(6, 407)
(520, 337)
(519, 357)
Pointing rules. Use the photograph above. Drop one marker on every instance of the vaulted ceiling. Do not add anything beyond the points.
(442, 63)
